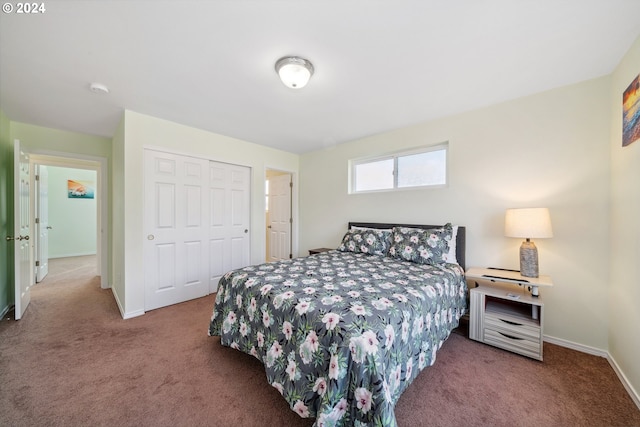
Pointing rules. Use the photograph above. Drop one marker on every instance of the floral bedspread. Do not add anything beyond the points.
(341, 334)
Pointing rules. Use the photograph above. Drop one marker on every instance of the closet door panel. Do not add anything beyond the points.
(175, 226)
(230, 189)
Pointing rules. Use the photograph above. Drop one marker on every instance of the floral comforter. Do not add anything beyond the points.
(341, 334)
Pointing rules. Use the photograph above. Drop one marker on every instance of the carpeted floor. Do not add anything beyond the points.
(73, 361)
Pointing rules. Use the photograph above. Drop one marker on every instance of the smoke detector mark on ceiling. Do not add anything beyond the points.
(98, 88)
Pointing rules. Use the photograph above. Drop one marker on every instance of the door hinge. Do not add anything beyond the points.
(290, 256)
(290, 220)
(37, 263)
(290, 184)
(37, 177)
(37, 220)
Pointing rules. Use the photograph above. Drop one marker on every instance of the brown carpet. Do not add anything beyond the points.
(73, 361)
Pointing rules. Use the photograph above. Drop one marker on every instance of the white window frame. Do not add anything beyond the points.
(425, 149)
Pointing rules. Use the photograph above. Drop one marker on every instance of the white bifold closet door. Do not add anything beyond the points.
(189, 226)
(229, 216)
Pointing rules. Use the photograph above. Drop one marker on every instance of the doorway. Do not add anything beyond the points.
(279, 215)
(66, 217)
(69, 204)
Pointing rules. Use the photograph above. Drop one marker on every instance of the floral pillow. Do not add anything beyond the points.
(369, 241)
(421, 246)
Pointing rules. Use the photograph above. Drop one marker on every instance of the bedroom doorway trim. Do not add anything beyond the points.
(279, 215)
(294, 195)
(100, 165)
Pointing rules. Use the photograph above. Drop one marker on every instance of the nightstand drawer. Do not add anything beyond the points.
(522, 346)
(511, 327)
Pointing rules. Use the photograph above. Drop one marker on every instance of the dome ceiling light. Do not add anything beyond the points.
(294, 71)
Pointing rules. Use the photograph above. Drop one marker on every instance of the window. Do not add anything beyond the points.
(426, 167)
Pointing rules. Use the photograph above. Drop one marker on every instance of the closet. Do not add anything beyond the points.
(196, 225)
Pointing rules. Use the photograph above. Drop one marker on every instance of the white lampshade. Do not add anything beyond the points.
(294, 72)
(528, 223)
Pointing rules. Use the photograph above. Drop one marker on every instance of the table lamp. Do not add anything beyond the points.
(528, 223)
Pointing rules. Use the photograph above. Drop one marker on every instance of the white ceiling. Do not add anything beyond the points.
(379, 65)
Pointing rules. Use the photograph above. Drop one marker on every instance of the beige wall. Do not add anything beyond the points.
(142, 131)
(546, 150)
(118, 250)
(45, 140)
(624, 317)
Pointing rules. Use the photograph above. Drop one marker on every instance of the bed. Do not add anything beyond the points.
(344, 332)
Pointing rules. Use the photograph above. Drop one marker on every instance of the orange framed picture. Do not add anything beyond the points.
(80, 189)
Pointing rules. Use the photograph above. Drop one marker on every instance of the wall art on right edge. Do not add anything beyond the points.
(631, 112)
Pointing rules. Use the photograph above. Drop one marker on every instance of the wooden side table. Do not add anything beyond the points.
(506, 316)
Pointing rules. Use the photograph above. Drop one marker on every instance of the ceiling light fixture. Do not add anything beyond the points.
(98, 88)
(294, 71)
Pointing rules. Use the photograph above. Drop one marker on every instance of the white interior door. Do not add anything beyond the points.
(176, 252)
(42, 223)
(229, 218)
(280, 217)
(23, 256)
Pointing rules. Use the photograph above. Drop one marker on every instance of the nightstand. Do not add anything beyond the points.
(507, 310)
(319, 250)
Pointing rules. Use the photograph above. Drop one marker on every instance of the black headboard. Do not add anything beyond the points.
(461, 238)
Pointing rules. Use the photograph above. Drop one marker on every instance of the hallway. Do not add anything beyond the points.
(65, 276)
(70, 268)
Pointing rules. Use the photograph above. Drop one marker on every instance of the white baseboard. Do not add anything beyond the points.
(115, 296)
(133, 314)
(601, 353)
(124, 314)
(72, 255)
(575, 346)
(635, 396)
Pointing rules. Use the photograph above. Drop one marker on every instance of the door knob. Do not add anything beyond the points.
(246, 231)
(22, 238)
(49, 227)
(10, 238)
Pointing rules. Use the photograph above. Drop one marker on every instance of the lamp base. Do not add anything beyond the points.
(528, 259)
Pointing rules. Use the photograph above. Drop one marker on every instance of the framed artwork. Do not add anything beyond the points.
(631, 113)
(80, 189)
